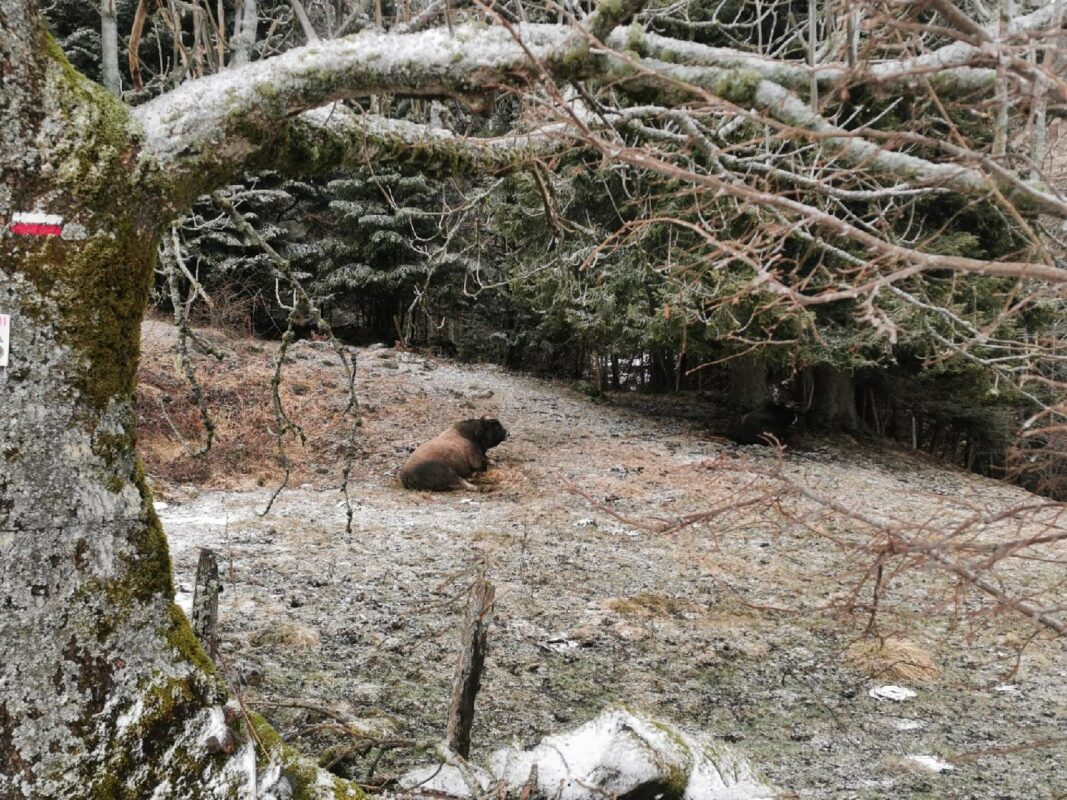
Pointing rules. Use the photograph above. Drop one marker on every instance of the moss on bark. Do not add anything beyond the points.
(90, 592)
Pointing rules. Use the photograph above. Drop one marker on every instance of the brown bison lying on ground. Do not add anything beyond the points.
(446, 461)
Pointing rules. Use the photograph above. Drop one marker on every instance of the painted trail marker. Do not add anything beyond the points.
(5, 338)
(33, 224)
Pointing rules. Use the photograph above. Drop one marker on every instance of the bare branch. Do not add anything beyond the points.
(305, 23)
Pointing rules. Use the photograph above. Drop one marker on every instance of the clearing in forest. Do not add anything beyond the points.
(754, 625)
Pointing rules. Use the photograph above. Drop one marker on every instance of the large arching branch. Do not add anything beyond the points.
(207, 130)
(333, 136)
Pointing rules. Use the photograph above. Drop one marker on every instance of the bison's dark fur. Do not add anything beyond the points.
(446, 461)
(771, 420)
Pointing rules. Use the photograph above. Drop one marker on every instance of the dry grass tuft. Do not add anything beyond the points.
(500, 477)
(652, 605)
(287, 634)
(238, 395)
(892, 659)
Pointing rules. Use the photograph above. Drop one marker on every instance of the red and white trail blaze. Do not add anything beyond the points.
(33, 224)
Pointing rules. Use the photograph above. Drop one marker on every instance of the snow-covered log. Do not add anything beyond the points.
(618, 754)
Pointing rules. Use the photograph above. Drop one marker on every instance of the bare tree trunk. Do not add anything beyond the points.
(1000, 127)
(468, 679)
(305, 23)
(244, 38)
(855, 20)
(1051, 61)
(834, 404)
(109, 47)
(748, 382)
(596, 363)
(813, 29)
(679, 367)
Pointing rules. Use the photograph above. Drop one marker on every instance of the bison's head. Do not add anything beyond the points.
(783, 414)
(485, 432)
(493, 433)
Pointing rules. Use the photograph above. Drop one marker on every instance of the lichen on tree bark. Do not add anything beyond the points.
(104, 690)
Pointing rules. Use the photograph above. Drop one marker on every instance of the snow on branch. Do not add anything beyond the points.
(334, 136)
(218, 125)
(748, 90)
(901, 261)
(206, 131)
(952, 67)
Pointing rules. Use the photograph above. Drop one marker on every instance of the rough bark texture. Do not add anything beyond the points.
(748, 383)
(206, 600)
(834, 405)
(104, 691)
(109, 47)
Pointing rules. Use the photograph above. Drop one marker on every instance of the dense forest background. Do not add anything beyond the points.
(585, 269)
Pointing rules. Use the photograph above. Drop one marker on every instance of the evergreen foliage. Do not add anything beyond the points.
(601, 271)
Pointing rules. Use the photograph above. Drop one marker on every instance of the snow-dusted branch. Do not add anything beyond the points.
(747, 89)
(207, 130)
(333, 136)
(910, 261)
(952, 68)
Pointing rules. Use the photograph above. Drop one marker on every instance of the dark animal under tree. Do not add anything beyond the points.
(756, 427)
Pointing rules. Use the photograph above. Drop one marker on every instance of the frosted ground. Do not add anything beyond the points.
(735, 627)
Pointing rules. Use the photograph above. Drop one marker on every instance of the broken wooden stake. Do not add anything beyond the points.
(206, 600)
(469, 667)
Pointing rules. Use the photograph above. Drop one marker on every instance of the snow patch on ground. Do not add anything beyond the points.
(896, 694)
(619, 752)
(932, 763)
(908, 724)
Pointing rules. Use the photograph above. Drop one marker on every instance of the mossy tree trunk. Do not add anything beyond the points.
(834, 403)
(747, 385)
(104, 690)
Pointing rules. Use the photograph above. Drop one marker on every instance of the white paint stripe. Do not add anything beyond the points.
(5, 343)
(30, 218)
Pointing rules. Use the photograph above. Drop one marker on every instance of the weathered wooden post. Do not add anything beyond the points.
(206, 600)
(468, 679)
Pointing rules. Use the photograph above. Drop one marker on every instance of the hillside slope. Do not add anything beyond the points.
(754, 624)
